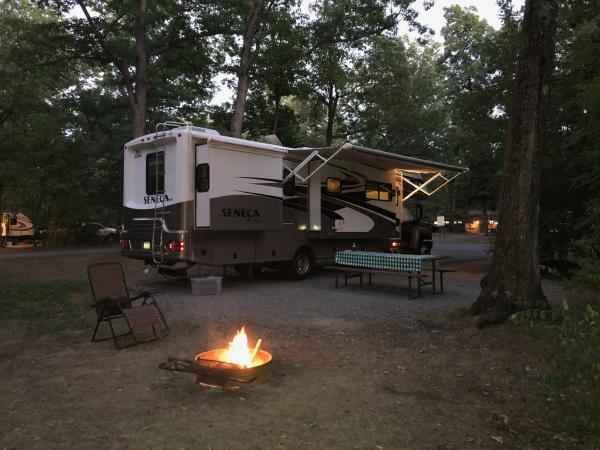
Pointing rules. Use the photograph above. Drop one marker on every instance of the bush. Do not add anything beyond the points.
(574, 384)
(587, 251)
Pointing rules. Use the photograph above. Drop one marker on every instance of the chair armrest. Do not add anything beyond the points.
(105, 300)
(145, 295)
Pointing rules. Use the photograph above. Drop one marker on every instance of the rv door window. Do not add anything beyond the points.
(155, 173)
(334, 185)
(202, 177)
(378, 191)
(289, 187)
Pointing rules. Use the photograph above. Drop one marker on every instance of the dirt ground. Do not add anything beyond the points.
(353, 368)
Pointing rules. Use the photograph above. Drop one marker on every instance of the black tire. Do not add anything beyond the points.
(300, 266)
(424, 249)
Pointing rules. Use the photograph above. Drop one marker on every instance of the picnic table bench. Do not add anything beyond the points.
(355, 264)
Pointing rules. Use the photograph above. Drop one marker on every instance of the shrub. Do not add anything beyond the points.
(574, 384)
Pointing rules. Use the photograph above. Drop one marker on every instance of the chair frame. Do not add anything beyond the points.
(104, 314)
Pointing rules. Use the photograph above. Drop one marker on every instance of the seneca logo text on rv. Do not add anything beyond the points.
(156, 199)
(246, 213)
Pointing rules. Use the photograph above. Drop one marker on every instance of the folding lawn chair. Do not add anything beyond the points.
(113, 302)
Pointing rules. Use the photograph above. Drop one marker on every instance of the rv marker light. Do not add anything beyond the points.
(175, 246)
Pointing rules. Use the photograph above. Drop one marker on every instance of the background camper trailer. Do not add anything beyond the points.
(192, 196)
(15, 228)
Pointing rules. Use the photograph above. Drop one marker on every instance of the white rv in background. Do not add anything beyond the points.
(15, 227)
(192, 196)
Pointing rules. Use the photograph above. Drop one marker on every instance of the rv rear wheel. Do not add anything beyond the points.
(300, 266)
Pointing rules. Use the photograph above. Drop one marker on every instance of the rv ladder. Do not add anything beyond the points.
(158, 250)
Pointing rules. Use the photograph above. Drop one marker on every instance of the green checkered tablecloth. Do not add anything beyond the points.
(377, 260)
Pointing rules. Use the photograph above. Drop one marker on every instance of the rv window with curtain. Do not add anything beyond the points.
(378, 191)
(202, 177)
(334, 185)
(155, 173)
(289, 187)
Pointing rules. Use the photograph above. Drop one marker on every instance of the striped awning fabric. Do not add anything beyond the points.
(378, 260)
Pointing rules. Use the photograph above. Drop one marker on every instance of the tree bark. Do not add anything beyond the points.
(513, 281)
(139, 99)
(332, 103)
(276, 113)
(252, 16)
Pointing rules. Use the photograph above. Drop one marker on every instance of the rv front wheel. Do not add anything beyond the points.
(300, 266)
(424, 250)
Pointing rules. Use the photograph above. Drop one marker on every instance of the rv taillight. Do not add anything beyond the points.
(125, 245)
(175, 246)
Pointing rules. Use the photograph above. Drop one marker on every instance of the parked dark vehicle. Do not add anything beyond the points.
(415, 236)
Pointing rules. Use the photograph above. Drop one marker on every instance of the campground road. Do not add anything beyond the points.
(461, 251)
(18, 253)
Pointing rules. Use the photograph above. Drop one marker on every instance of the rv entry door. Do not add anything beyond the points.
(202, 186)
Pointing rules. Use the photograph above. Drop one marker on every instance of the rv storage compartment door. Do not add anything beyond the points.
(245, 189)
(202, 185)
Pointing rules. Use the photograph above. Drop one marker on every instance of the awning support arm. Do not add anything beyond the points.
(308, 159)
(421, 188)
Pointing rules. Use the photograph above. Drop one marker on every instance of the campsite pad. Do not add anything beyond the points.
(352, 368)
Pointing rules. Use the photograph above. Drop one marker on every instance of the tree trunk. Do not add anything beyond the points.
(139, 100)
(276, 113)
(239, 107)
(513, 281)
(332, 102)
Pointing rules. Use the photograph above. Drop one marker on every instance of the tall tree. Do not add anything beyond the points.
(339, 34)
(513, 281)
(137, 44)
(255, 29)
(476, 76)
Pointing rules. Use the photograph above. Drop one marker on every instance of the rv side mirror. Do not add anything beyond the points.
(202, 177)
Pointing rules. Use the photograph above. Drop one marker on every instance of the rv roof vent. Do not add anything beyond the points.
(199, 130)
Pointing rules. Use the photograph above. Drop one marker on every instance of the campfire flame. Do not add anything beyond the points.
(238, 352)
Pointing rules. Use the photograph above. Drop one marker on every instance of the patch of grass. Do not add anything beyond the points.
(573, 387)
(44, 304)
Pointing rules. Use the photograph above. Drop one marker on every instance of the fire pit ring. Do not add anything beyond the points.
(213, 373)
(216, 373)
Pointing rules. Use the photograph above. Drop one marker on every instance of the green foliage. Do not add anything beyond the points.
(574, 384)
(586, 254)
(48, 304)
(571, 160)
(478, 73)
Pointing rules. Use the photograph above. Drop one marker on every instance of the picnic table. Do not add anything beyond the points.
(358, 263)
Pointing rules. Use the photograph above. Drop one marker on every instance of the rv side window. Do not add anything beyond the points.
(289, 187)
(202, 177)
(334, 185)
(155, 173)
(378, 191)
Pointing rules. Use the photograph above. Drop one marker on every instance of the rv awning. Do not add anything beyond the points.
(376, 158)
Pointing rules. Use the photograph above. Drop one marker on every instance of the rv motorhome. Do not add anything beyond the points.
(192, 196)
